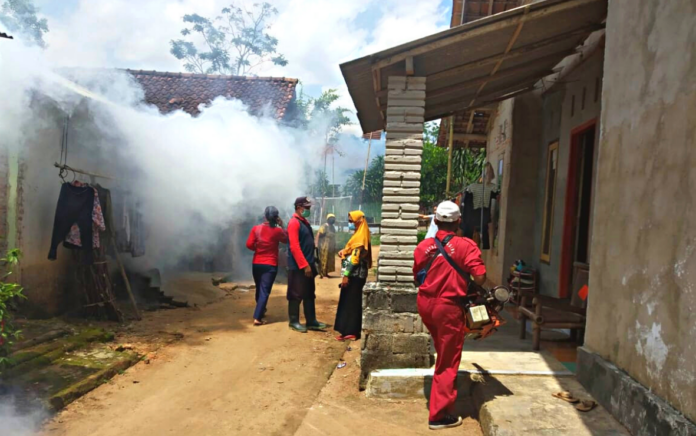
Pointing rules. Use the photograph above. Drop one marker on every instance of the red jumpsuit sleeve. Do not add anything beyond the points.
(473, 262)
(294, 238)
(251, 241)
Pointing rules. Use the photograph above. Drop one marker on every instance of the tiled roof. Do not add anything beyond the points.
(185, 91)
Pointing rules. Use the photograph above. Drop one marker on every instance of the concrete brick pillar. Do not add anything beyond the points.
(393, 333)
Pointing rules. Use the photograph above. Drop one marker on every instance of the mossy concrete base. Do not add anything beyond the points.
(75, 391)
(55, 373)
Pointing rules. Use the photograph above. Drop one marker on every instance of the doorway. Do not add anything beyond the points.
(577, 220)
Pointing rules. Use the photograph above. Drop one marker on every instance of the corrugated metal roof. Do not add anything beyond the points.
(477, 63)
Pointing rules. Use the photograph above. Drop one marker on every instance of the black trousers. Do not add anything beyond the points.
(301, 287)
(349, 312)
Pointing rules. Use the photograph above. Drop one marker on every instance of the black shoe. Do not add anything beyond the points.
(294, 315)
(448, 421)
(311, 316)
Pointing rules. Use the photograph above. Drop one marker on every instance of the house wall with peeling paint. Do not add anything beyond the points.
(642, 305)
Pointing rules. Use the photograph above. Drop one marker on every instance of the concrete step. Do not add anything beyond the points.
(412, 383)
(511, 386)
(515, 405)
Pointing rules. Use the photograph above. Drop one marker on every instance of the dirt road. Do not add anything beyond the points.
(225, 377)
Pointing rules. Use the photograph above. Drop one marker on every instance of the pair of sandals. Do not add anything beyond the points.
(346, 338)
(580, 405)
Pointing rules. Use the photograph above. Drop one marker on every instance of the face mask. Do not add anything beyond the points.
(331, 220)
(351, 226)
(306, 213)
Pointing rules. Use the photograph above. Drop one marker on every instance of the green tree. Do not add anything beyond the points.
(323, 119)
(8, 293)
(321, 116)
(19, 16)
(235, 42)
(467, 165)
(433, 167)
(374, 182)
(320, 186)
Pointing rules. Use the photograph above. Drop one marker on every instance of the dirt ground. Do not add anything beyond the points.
(208, 371)
(219, 375)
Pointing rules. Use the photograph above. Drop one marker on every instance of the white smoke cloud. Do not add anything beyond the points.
(14, 423)
(195, 175)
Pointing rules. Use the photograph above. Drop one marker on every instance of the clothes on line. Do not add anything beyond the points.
(75, 206)
(73, 239)
(85, 212)
(482, 195)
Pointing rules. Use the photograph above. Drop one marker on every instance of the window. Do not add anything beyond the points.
(549, 196)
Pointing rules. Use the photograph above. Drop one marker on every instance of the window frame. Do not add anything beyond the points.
(552, 148)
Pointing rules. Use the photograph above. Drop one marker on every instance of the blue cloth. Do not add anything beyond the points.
(264, 276)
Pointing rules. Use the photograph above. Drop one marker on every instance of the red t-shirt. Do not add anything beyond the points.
(263, 241)
(442, 280)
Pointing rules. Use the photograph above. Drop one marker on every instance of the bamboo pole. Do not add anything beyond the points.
(449, 155)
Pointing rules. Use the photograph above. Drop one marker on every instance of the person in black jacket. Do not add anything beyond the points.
(302, 269)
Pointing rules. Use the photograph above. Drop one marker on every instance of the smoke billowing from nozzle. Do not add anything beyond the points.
(194, 175)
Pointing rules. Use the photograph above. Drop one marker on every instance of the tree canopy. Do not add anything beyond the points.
(235, 42)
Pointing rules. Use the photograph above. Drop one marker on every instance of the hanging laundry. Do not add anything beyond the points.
(75, 206)
(73, 239)
(482, 195)
(107, 208)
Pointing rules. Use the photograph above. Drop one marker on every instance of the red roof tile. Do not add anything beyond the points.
(185, 91)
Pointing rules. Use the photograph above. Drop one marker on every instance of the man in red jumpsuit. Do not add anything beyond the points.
(439, 307)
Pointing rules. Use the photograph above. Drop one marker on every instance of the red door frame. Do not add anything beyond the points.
(571, 208)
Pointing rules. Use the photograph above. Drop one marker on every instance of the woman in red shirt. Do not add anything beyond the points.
(263, 241)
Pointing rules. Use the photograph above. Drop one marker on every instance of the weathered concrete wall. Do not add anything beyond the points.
(642, 304)
(562, 111)
(514, 138)
(46, 282)
(499, 147)
(523, 180)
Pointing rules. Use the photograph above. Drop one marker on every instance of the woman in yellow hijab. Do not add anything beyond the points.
(356, 262)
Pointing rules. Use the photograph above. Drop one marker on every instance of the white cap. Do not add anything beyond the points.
(447, 212)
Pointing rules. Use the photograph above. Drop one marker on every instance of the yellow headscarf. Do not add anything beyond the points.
(361, 237)
(330, 216)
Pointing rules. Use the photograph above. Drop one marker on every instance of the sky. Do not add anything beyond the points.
(315, 36)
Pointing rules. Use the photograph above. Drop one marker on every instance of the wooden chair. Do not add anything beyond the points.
(549, 313)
